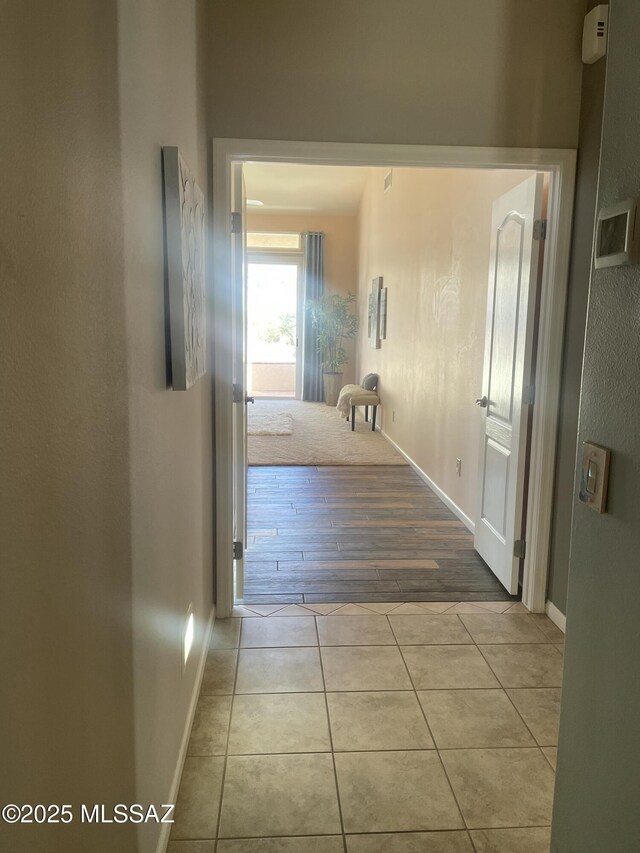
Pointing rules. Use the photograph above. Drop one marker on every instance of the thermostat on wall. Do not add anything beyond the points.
(617, 238)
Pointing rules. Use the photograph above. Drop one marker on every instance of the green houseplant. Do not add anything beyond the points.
(333, 323)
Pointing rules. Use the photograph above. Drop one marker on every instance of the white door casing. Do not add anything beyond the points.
(239, 348)
(560, 164)
(507, 377)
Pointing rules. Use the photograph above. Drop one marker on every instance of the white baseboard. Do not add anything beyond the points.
(163, 839)
(464, 518)
(557, 616)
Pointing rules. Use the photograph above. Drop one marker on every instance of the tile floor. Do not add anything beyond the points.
(393, 729)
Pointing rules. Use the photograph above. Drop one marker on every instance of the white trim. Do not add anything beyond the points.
(557, 616)
(163, 838)
(560, 163)
(444, 497)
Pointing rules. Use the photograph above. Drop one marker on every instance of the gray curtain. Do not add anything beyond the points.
(313, 277)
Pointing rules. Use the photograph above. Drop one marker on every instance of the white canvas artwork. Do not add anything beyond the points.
(184, 231)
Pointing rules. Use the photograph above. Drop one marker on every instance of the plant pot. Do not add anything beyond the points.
(332, 387)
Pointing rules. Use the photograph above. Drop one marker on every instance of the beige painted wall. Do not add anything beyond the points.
(429, 238)
(340, 253)
(462, 72)
(65, 522)
(105, 506)
(170, 432)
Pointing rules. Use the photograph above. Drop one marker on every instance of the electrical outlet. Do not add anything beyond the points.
(459, 467)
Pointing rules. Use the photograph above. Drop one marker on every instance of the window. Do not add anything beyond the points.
(272, 240)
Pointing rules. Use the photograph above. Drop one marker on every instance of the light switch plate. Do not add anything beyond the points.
(594, 476)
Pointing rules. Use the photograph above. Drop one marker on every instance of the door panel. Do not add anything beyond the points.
(513, 277)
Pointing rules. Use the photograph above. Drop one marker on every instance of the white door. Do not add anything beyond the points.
(506, 385)
(240, 399)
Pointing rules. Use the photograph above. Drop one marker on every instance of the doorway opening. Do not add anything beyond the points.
(336, 520)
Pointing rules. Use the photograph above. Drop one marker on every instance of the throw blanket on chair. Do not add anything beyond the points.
(343, 400)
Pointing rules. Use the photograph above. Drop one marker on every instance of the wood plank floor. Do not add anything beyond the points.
(360, 534)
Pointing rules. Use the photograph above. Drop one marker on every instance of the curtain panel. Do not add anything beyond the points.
(313, 280)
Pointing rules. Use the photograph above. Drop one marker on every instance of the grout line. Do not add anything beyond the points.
(226, 750)
(415, 693)
(333, 753)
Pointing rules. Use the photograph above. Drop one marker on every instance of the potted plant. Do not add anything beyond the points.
(333, 323)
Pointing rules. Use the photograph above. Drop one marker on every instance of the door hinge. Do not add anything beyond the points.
(540, 229)
(529, 395)
(519, 548)
(238, 550)
(236, 223)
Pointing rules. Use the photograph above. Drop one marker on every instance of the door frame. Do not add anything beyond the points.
(559, 163)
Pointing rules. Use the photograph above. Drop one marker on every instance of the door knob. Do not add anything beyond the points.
(483, 402)
(248, 399)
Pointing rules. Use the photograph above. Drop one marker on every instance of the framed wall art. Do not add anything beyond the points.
(184, 239)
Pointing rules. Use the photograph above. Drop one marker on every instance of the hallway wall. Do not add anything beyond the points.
(598, 778)
(65, 524)
(170, 432)
(411, 71)
(105, 507)
(340, 253)
(428, 236)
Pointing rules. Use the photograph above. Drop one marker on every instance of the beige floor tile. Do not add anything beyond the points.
(437, 606)
(442, 667)
(265, 609)
(219, 672)
(225, 634)
(322, 609)
(280, 722)
(540, 709)
(494, 606)
(240, 611)
(377, 721)
(267, 795)
(271, 632)
(429, 630)
(551, 754)
(518, 607)
(410, 842)
(306, 844)
(395, 792)
(525, 666)
(210, 726)
(353, 610)
(279, 671)
(364, 668)
(196, 814)
(473, 718)
(467, 607)
(191, 847)
(534, 840)
(293, 610)
(554, 634)
(501, 787)
(409, 608)
(371, 630)
(381, 607)
(502, 628)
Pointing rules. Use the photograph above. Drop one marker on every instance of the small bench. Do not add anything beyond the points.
(365, 395)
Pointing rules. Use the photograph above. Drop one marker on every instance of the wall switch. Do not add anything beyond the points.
(594, 476)
(459, 467)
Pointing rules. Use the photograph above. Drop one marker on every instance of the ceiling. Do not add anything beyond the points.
(296, 188)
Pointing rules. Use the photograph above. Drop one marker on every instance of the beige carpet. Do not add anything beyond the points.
(263, 422)
(320, 437)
